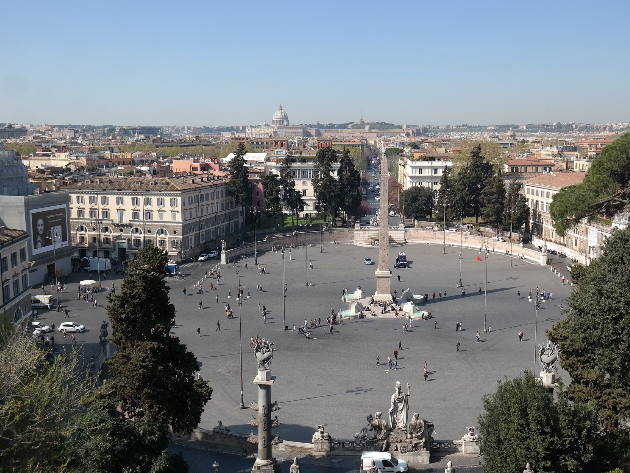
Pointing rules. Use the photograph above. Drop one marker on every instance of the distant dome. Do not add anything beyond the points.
(280, 117)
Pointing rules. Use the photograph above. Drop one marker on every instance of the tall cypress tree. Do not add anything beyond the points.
(153, 374)
(349, 182)
(493, 201)
(326, 188)
(238, 183)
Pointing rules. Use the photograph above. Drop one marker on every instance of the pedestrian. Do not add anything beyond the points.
(478, 336)
(457, 345)
(200, 305)
(520, 336)
(199, 331)
(378, 360)
(396, 354)
(435, 325)
(457, 326)
(433, 295)
(331, 329)
(245, 265)
(184, 291)
(425, 373)
(439, 295)
(218, 326)
(395, 364)
(65, 312)
(518, 293)
(389, 362)
(217, 298)
(74, 338)
(319, 321)
(444, 292)
(400, 345)
(398, 277)
(229, 294)
(53, 327)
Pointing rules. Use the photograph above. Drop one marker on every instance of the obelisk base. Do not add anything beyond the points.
(265, 466)
(383, 286)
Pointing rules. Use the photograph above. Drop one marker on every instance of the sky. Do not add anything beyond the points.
(232, 62)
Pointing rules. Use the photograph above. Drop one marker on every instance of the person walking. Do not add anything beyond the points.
(425, 373)
(331, 329)
(433, 295)
(521, 334)
(389, 362)
(217, 298)
(400, 345)
(200, 305)
(199, 331)
(378, 360)
(457, 345)
(478, 336)
(398, 277)
(218, 329)
(184, 291)
(395, 354)
(435, 325)
(65, 314)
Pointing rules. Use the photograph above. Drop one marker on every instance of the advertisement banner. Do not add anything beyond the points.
(49, 228)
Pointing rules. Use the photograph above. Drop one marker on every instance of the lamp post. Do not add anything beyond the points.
(240, 338)
(321, 237)
(97, 225)
(444, 230)
(284, 292)
(255, 212)
(306, 263)
(536, 308)
(461, 244)
(485, 293)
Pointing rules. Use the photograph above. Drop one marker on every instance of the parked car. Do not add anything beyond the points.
(392, 213)
(382, 462)
(203, 257)
(40, 329)
(368, 261)
(70, 327)
(215, 253)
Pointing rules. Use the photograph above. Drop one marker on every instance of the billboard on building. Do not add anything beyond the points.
(49, 228)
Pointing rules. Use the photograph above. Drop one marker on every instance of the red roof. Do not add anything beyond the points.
(557, 179)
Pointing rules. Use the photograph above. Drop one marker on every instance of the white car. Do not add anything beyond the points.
(203, 257)
(40, 329)
(392, 213)
(70, 327)
(215, 253)
(368, 261)
(382, 462)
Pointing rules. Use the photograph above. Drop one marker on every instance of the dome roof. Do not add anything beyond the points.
(280, 114)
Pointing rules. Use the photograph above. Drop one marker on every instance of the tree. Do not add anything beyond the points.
(153, 374)
(325, 185)
(594, 338)
(390, 152)
(39, 396)
(103, 441)
(523, 423)
(493, 200)
(291, 197)
(273, 198)
(516, 208)
(474, 177)
(492, 151)
(605, 189)
(417, 202)
(349, 182)
(238, 183)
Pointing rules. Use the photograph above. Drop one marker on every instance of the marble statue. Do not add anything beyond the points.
(528, 469)
(399, 407)
(548, 355)
(263, 349)
(103, 333)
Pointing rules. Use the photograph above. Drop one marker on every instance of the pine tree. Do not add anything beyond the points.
(474, 175)
(325, 185)
(516, 208)
(349, 182)
(493, 201)
(238, 183)
(273, 198)
(291, 198)
(153, 374)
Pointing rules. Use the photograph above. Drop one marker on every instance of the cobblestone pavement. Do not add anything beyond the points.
(333, 378)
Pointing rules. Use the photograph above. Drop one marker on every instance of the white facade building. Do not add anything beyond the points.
(425, 172)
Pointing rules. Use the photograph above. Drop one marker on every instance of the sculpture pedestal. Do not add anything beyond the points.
(415, 459)
(548, 379)
(468, 447)
(383, 286)
(265, 466)
(321, 447)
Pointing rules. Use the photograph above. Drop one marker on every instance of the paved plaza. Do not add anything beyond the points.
(333, 378)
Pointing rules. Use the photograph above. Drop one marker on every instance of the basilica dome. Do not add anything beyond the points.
(280, 117)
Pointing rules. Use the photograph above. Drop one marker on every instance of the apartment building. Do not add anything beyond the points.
(14, 266)
(115, 217)
(583, 241)
(423, 171)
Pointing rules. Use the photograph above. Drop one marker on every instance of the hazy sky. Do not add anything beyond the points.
(233, 62)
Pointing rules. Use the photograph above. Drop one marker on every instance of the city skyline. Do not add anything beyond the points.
(487, 63)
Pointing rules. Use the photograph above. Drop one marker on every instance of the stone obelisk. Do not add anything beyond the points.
(265, 462)
(383, 273)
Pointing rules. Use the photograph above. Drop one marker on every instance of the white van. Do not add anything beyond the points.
(45, 301)
(381, 462)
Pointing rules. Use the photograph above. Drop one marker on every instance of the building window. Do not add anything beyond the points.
(22, 255)
(120, 200)
(174, 244)
(161, 215)
(81, 239)
(24, 281)
(135, 201)
(92, 199)
(80, 213)
(135, 215)
(148, 215)
(104, 200)
(5, 264)
(160, 201)
(174, 216)
(303, 192)
(93, 213)
(79, 199)
(106, 240)
(121, 216)
(16, 287)
(147, 201)
(137, 242)
(104, 213)
(6, 294)
(173, 202)
(13, 259)
(94, 240)
(162, 243)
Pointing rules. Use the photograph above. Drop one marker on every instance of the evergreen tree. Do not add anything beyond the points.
(349, 182)
(493, 201)
(153, 374)
(273, 198)
(516, 208)
(291, 197)
(238, 184)
(475, 174)
(417, 202)
(326, 188)
(523, 423)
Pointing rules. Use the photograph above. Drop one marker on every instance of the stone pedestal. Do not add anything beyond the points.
(383, 285)
(321, 447)
(415, 459)
(548, 379)
(468, 447)
(264, 461)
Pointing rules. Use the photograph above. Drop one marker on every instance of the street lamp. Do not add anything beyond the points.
(485, 293)
(97, 225)
(284, 292)
(321, 237)
(536, 308)
(444, 229)
(255, 212)
(240, 338)
(461, 244)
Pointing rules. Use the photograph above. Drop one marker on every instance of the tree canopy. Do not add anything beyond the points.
(493, 200)
(417, 202)
(325, 185)
(605, 189)
(238, 183)
(349, 184)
